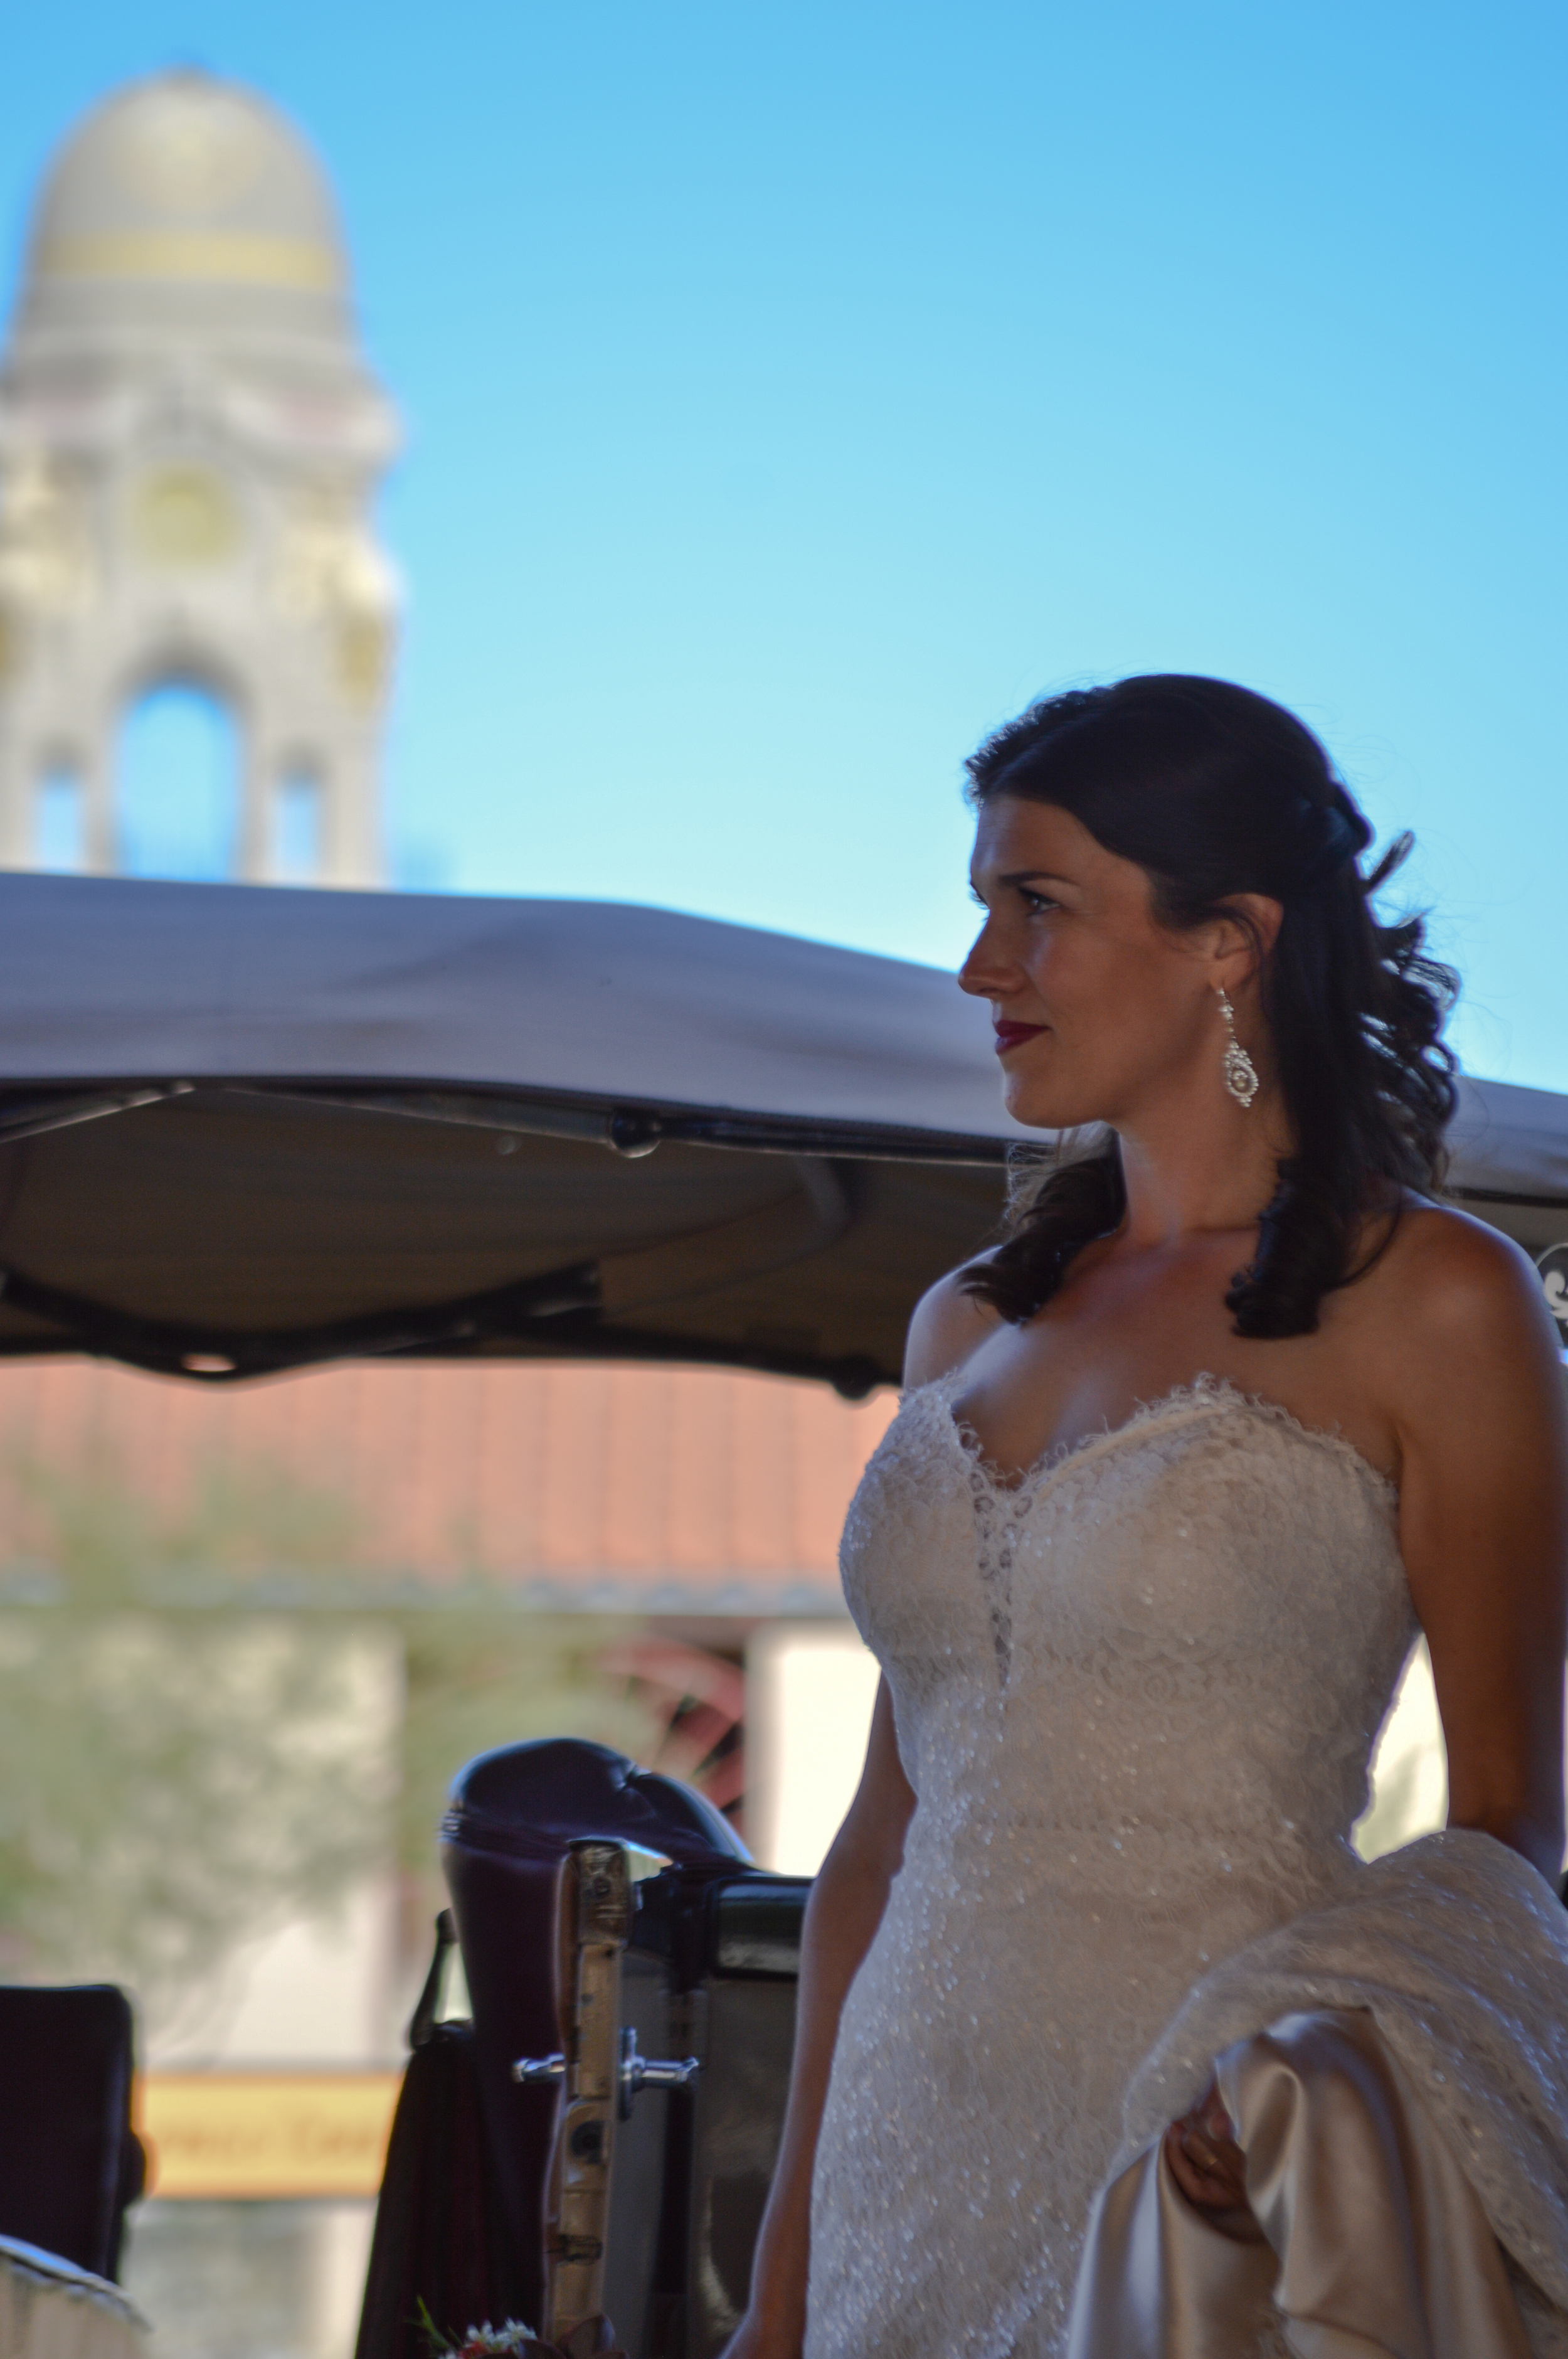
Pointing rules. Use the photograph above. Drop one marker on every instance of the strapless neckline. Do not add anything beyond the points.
(1204, 1393)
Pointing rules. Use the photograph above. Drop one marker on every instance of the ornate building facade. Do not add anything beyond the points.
(190, 443)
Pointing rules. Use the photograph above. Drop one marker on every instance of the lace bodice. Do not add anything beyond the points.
(1136, 1696)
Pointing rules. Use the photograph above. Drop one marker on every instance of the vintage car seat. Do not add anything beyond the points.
(707, 1973)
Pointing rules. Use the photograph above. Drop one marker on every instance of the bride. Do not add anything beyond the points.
(1108, 2044)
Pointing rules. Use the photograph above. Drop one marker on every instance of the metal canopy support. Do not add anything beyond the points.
(187, 1235)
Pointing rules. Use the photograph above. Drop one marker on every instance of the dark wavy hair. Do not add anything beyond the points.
(1216, 792)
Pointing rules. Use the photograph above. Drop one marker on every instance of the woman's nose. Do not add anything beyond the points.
(984, 974)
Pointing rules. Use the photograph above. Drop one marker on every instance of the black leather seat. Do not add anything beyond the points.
(69, 2161)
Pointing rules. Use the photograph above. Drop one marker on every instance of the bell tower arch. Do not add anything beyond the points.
(190, 442)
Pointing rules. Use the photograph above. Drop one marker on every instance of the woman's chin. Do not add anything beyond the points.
(1037, 1106)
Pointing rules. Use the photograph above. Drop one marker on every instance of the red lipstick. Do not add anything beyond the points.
(1009, 1035)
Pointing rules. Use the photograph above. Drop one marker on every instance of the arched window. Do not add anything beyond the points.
(178, 785)
(60, 834)
(294, 854)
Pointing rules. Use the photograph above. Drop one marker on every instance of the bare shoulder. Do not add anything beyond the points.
(1447, 1273)
(1458, 1304)
(947, 1325)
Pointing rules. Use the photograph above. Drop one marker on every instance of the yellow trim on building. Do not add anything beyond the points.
(254, 261)
(265, 2134)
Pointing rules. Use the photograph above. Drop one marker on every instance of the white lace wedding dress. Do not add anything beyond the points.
(1137, 1696)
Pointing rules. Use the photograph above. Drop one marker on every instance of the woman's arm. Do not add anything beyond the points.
(1467, 1360)
(1478, 1390)
(841, 1919)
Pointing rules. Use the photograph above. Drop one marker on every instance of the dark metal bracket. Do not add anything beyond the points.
(632, 1130)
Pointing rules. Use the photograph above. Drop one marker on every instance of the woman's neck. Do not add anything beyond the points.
(1186, 1179)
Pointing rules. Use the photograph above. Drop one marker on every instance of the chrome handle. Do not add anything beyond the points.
(637, 2072)
(640, 2072)
(533, 2070)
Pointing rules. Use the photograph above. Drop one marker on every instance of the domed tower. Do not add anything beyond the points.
(189, 440)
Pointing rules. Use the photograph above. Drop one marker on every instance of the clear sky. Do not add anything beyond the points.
(794, 391)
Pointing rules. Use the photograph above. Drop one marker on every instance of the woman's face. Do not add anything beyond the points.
(1100, 1009)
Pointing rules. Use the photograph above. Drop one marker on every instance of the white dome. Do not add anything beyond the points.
(190, 205)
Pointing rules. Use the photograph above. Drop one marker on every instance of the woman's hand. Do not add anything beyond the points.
(1208, 2166)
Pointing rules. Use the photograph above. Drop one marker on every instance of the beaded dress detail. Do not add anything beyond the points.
(1136, 1694)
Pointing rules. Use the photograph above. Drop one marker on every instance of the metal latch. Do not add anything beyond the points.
(640, 2072)
(533, 2069)
(637, 2072)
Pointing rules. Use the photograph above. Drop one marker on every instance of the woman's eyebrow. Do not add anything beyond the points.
(1028, 876)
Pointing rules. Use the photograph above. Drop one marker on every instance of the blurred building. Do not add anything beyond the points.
(189, 439)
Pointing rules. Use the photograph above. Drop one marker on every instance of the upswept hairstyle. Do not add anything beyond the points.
(1216, 792)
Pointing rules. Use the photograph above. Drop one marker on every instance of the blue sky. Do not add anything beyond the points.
(793, 392)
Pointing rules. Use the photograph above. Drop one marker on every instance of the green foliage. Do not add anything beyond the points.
(171, 1784)
(106, 1547)
(179, 1771)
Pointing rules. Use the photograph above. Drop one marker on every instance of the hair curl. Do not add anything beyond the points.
(1216, 792)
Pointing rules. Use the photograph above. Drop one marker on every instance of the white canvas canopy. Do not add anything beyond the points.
(246, 1128)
